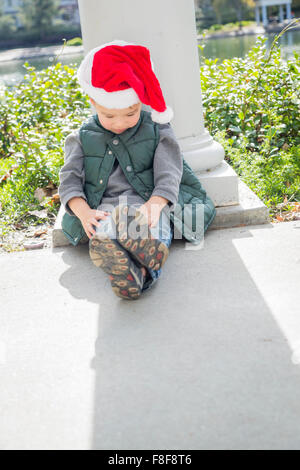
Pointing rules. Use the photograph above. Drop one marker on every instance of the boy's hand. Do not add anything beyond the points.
(152, 209)
(89, 218)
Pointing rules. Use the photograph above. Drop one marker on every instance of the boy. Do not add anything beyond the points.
(129, 161)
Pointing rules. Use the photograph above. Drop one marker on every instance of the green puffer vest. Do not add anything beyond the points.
(135, 150)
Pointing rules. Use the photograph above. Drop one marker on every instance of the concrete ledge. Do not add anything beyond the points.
(221, 184)
(250, 210)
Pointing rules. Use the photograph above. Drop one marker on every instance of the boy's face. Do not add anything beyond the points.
(118, 120)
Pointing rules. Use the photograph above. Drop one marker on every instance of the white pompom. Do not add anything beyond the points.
(162, 118)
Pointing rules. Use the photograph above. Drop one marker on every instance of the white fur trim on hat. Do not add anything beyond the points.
(164, 117)
(113, 100)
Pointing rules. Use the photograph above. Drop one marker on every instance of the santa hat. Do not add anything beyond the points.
(120, 74)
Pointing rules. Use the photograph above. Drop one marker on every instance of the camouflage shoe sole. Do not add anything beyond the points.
(150, 252)
(125, 277)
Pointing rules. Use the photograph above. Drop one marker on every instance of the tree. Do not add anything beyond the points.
(7, 23)
(38, 15)
(239, 4)
(218, 6)
(223, 6)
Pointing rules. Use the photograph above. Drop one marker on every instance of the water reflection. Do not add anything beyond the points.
(12, 73)
(226, 48)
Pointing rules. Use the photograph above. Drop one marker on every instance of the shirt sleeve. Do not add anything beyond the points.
(167, 166)
(71, 175)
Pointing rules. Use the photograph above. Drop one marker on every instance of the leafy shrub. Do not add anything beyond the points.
(228, 26)
(74, 42)
(7, 26)
(216, 27)
(251, 106)
(248, 23)
(35, 118)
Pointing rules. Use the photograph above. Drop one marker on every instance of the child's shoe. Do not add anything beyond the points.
(150, 252)
(126, 278)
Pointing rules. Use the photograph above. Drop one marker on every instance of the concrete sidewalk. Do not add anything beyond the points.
(207, 359)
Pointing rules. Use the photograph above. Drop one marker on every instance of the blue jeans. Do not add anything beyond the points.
(163, 231)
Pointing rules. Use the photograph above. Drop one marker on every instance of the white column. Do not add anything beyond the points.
(288, 11)
(281, 18)
(168, 29)
(264, 15)
(257, 15)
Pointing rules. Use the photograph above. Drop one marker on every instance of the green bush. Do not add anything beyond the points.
(7, 26)
(35, 118)
(74, 42)
(251, 106)
(216, 27)
(229, 26)
(248, 23)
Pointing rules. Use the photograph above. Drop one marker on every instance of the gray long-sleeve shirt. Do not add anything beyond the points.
(167, 171)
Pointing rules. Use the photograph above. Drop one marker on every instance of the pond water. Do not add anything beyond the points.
(226, 48)
(12, 73)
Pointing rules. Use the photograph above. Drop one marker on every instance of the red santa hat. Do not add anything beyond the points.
(119, 74)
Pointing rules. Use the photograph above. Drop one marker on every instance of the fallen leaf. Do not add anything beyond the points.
(38, 233)
(279, 218)
(55, 198)
(18, 225)
(296, 207)
(8, 174)
(40, 194)
(42, 214)
(51, 185)
(4, 177)
(46, 191)
(33, 245)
